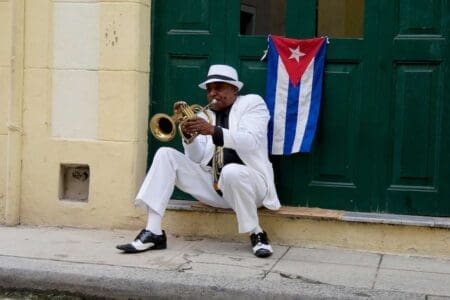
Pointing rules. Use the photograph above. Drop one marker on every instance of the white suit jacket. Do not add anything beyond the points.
(247, 135)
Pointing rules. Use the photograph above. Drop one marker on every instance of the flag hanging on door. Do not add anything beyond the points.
(293, 92)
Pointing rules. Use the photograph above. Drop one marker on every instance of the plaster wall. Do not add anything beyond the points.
(11, 78)
(5, 96)
(85, 102)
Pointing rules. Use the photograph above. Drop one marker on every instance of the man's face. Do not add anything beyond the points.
(224, 93)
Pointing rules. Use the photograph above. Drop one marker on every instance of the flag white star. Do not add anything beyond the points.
(296, 53)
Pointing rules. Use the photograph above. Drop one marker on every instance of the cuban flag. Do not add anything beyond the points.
(293, 92)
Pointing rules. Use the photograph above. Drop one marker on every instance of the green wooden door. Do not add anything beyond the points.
(383, 137)
(413, 108)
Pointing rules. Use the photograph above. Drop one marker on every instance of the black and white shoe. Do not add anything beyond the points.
(145, 240)
(260, 244)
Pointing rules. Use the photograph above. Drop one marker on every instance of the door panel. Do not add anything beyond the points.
(419, 17)
(334, 166)
(416, 125)
(414, 162)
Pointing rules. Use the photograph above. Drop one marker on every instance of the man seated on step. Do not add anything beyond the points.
(225, 166)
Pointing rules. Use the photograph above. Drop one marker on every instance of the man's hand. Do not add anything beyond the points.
(197, 125)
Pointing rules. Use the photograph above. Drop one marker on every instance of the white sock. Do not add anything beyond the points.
(154, 222)
(256, 230)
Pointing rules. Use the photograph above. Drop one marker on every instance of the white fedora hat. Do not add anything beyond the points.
(222, 73)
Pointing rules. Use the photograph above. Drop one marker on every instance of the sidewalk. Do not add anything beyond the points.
(85, 261)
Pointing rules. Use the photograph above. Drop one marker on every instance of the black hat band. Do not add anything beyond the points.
(222, 77)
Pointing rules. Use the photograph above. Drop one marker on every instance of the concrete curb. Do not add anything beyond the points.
(115, 282)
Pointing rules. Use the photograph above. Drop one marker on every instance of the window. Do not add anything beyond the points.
(262, 17)
(340, 18)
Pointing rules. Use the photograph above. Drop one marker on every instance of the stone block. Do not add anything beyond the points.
(123, 106)
(124, 36)
(37, 33)
(117, 106)
(75, 104)
(76, 35)
(36, 103)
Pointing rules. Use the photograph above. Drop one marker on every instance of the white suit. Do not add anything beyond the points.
(244, 187)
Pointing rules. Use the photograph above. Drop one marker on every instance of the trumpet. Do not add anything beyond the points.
(163, 126)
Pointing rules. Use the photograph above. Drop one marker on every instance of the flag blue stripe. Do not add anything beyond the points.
(274, 98)
(291, 118)
(272, 75)
(313, 116)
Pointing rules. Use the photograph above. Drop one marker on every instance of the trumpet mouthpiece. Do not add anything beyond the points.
(213, 102)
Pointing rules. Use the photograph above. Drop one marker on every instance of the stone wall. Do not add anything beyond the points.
(84, 111)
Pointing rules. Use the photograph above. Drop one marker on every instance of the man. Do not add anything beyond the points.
(225, 166)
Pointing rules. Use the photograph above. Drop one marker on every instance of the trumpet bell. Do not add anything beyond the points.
(162, 127)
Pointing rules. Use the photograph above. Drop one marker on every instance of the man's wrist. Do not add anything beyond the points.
(213, 130)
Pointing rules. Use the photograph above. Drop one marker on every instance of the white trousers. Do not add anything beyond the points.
(243, 188)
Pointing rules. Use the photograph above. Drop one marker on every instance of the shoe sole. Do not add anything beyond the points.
(156, 247)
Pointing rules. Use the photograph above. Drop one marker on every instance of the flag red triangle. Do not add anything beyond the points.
(291, 50)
